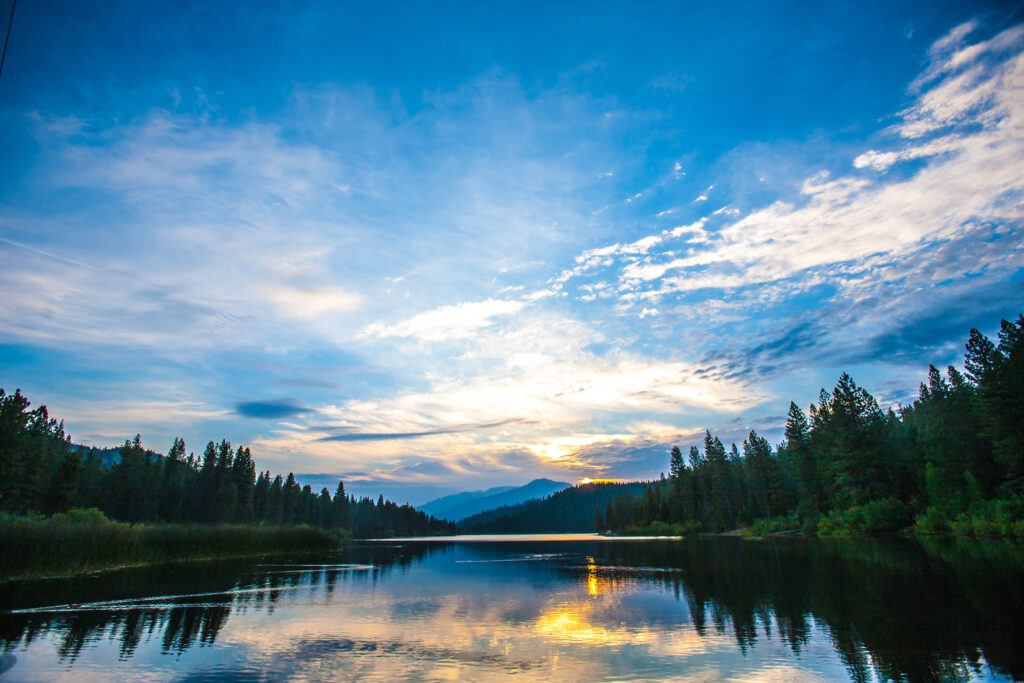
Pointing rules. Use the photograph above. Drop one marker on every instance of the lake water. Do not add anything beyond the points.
(566, 608)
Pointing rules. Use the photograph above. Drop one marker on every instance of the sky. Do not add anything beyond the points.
(435, 246)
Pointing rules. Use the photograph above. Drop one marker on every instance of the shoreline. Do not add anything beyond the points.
(63, 546)
(92, 570)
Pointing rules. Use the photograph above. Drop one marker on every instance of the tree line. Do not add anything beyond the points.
(953, 460)
(42, 471)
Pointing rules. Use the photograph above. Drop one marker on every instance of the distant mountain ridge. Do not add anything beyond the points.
(571, 510)
(110, 455)
(468, 503)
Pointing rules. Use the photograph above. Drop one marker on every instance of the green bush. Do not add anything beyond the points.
(773, 525)
(991, 518)
(931, 522)
(658, 528)
(685, 528)
(877, 517)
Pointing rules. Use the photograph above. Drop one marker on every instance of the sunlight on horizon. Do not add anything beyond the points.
(587, 480)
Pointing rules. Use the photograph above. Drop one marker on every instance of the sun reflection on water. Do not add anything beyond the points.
(567, 622)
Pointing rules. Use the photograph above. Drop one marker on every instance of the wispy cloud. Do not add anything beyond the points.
(271, 410)
(876, 237)
(393, 436)
(457, 321)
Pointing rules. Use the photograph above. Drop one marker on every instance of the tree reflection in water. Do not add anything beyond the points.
(192, 605)
(895, 608)
(890, 609)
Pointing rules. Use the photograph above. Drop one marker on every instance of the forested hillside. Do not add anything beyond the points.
(463, 505)
(42, 471)
(953, 460)
(571, 510)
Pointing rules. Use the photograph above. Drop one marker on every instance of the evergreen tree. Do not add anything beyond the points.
(171, 486)
(341, 517)
(798, 449)
(206, 505)
(675, 464)
(63, 484)
(696, 459)
(261, 497)
(722, 507)
(292, 501)
(243, 475)
(848, 432)
(277, 503)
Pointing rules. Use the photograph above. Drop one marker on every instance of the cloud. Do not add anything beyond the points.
(223, 256)
(881, 161)
(165, 155)
(518, 396)
(955, 211)
(271, 410)
(393, 436)
(307, 303)
(458, 321)
(277, 231)
(112, 421)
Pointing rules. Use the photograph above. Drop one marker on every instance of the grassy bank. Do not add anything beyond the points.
(1003, 518)
(85, 540)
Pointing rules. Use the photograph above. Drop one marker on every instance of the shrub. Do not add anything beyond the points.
(991, 518)
(658, 528)
(931, 522)
(877, 517)
(685, 528)
(773, 525)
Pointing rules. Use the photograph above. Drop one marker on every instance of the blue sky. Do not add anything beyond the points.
(439, 246)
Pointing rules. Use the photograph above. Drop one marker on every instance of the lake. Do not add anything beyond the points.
(572, 608)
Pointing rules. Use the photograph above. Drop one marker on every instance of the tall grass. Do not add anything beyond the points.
(85, 540)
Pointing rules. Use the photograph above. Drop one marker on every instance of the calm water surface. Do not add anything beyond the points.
(537, 608)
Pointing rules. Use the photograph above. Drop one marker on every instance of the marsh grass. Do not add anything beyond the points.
(85, 540)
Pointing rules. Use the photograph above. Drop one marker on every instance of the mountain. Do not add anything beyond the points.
(439, 507)
(568, 511)
(468, 503)
(108, 456)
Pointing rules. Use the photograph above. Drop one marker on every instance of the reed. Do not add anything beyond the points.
(85, 540)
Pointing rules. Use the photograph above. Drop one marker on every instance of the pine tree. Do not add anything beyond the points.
(276, 504)
(341, 508)
(63, 484)
(243, 474)
(171, 482)
(676, 466)
(807, 472)
(261, 497)
(722, 508)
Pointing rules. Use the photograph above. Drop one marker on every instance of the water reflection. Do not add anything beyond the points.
(700, 608)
